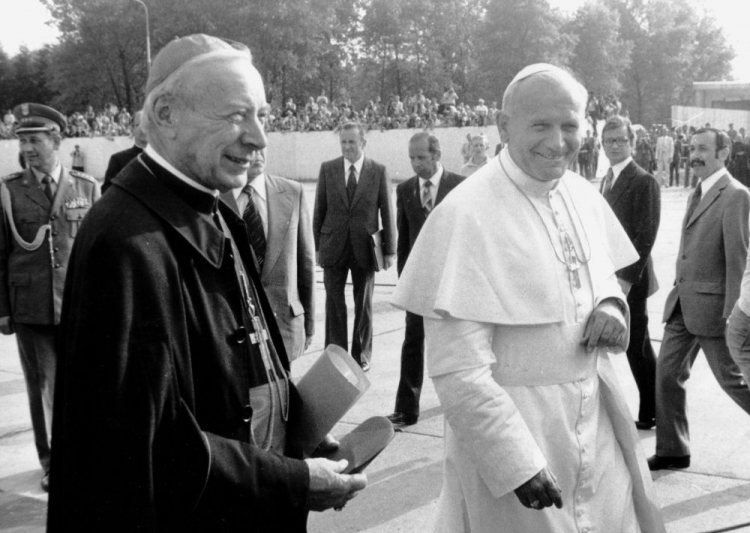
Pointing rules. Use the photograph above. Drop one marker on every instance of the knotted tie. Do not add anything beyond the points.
(49, 187)
(694, 201)
(351, 184)
(426, 197)
(254, 226)
(608, 179)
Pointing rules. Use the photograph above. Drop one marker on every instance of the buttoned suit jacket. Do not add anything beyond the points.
(335, 221)
(288, 274)
(32, 282)
(117, 162)
(410, 215)
(635, 199)
(711, 260)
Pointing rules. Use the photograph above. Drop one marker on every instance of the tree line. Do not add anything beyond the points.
(646, 53)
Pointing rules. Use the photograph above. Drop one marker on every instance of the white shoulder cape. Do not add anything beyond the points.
(484, 254)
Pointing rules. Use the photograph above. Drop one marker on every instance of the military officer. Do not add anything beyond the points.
(41, 209)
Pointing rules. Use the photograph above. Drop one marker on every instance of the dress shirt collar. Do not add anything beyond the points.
(172, 170)
(707, 183)
(258, 184)
(55, 174)
(434, 179)
(619, 167)
(357, 166)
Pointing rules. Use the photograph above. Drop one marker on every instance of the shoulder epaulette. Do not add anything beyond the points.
(12, 176)
(82, 175)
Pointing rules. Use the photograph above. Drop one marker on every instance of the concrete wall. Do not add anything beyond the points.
(292, 155)
(718, 118)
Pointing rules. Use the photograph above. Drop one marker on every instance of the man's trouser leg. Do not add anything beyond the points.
(725, 370)
(334, 279)
(738, 340)
(642, 359)
(36, 347)
(678, 352)
(363, 282)
(412, 366)
(663, 167)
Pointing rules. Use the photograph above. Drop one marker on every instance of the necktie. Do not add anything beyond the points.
(694, 201)
(254, 227)
(49, 187)
(351, 184)
(427, 197)
(608, 179)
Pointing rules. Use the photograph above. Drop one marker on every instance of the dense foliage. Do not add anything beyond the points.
(644, 52)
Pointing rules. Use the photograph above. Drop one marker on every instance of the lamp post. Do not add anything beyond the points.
(148, 34)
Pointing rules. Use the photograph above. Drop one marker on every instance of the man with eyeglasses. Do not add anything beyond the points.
(634, 196)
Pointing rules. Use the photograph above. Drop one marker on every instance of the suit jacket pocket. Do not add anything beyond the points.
(74, 218)
(709, 287)
(19, 293)
(296, 308)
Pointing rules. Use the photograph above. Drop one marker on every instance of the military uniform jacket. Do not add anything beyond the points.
(32, 282)
(152, 422)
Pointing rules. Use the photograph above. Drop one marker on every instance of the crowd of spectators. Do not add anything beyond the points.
(414, 111)
(644, 154)
(108, 122)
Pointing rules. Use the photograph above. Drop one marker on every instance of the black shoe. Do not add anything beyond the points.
(365, 366)
(401, 420)
(657, 462)
(327, 446)
(645, 425)
(45, 482)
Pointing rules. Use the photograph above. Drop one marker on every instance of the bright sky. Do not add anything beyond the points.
(23, 22)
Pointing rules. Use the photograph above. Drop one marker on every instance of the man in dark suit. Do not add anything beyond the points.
(118, 161)
(415, 199)
(352, 191)
(635, 198)
(285, 252)
(710, 264)
(175, 410)
(42, 209)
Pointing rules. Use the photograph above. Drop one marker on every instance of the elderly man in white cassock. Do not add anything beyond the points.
(514, 274)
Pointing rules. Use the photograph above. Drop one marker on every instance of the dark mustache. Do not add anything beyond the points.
(697, 163)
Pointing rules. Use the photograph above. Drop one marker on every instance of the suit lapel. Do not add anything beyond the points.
(443, 188)
(33, 189)
(708, 199)
(279, 202)
(365, 179)
(65, 184)
(339, 179)
(622, 184)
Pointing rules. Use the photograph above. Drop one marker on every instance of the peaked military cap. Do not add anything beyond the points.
(37, 117)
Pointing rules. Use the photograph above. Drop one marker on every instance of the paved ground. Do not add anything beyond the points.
(404, 482)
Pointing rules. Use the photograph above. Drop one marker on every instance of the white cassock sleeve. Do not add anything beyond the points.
(480, 412)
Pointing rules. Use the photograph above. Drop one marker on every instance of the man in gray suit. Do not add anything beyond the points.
(352, 191)
(285, 255)
(713, 249)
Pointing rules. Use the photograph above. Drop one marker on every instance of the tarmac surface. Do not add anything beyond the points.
(712, 495)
